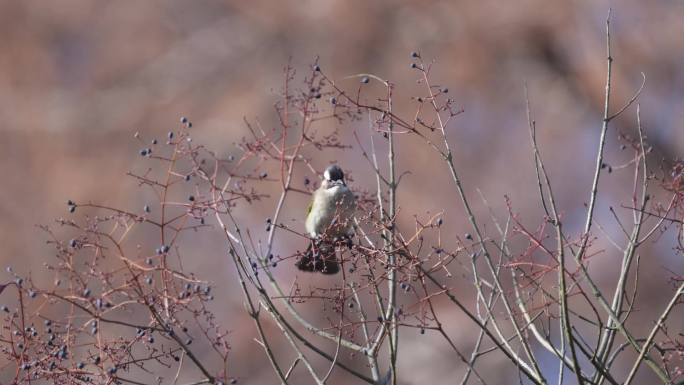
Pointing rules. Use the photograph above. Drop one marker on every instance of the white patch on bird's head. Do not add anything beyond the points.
(326, 174)
(330, 184)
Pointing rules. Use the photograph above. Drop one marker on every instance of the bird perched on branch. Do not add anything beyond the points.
(328, 220)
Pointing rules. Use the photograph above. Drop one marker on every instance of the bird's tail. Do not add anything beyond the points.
(320, 257)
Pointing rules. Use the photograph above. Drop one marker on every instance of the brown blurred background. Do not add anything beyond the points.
(79, 78)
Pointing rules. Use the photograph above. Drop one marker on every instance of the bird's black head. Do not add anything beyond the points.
(333, 173)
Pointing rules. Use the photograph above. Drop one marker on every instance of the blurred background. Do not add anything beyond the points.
(78, 78)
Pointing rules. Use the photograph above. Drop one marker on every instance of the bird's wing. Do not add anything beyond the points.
(309, 207)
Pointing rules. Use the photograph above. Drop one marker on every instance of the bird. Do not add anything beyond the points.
(328, 220)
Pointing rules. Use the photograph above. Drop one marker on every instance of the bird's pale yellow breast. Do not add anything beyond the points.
(328, 204)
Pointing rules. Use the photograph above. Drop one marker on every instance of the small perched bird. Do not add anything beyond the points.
(329, 218)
